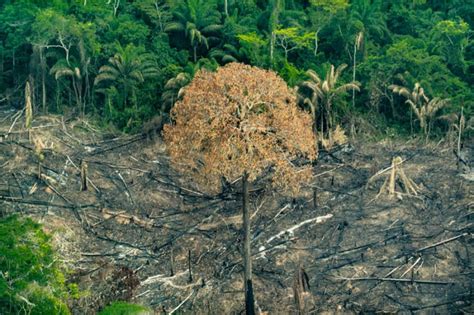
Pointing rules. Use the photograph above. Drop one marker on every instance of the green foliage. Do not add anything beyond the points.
(290, 73)
(325, 96)
(253, 46)
(64, 46)
(406, 62)
(30, 279)
(124, 308)
(368, 18)
(292, 38)
(126, 30)
(449, 39)
(198, 21)
(157, 11)
(331, 6)
(126, 71)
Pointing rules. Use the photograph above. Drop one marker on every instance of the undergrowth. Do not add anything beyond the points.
(31, 279)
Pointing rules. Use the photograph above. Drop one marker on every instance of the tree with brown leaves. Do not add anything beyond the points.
(237, 123)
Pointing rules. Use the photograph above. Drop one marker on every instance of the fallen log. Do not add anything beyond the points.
(436, 282)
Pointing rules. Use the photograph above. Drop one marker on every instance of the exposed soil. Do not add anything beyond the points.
(139, 227)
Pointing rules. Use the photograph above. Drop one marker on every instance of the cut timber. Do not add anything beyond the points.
(122, 218)
(301, 291)
(83, 175)
(397, 174)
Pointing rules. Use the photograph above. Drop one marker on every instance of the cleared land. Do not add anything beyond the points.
(140, 228)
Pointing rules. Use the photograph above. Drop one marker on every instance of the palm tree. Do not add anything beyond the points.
(228, 53)
(324, 92)
(369, 19)
(198, 20)
(415, 98)
(312, 101)
(428, 111)
(157, 10)
(69, 69)
(127, 69)
(424, 108)
(174, 90)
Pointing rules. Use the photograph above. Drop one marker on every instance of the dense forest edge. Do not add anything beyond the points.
(359, 71)
(125, 62)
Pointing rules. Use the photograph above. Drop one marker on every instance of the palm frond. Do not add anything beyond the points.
(229, 58)
(212, 28)
(313, 75)
(65, 72)
(348, 87)
(400, 90)
(108, 69)
(435, 105)
(175, 27)
(104, 76)
(338, 72)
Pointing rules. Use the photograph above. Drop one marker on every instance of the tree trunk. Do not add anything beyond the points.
(78, 94)
(322, 124)
(2, 60)
(43, 80)
(316, 44)
(315, 125)
(87, 99)
(58, 96)
(329, 117)
(226, 8)
(83, 175)
(43, 86)
(354, 75)
(249, 298)
(13, 66)
(460, 129)
(195, 53)
(272, 47)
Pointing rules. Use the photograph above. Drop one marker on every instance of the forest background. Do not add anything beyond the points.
(125, 62)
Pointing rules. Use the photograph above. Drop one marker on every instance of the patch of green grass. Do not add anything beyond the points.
(124, 308)
(31, 281)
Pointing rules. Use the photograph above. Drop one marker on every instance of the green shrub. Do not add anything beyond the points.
(123, 308)
(31, 281)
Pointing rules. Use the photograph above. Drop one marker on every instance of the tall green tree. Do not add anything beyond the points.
(198, 20)
(72, 71)
(449, 39)
(324, 91)
(424, 108)
(158, 11)
(75, 42)
(126, 70)
(368, 18)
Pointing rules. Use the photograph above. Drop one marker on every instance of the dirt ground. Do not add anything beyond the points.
(143, 233)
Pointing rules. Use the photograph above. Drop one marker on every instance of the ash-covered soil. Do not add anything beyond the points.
(143, 233)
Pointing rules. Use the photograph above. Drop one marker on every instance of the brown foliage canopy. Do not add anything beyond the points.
(236, 120)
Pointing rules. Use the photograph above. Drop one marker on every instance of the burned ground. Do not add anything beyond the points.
(140, 228)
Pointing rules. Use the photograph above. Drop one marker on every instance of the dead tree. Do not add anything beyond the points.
(83, 175)
(397, 175)
(28, 108)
